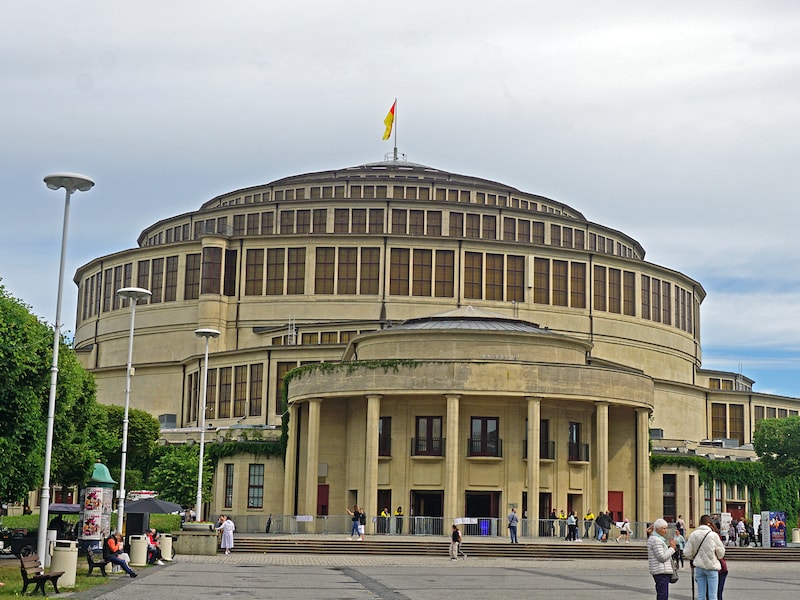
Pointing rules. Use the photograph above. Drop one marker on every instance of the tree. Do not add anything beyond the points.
(777, 443)
(175, 475)
(143, 432)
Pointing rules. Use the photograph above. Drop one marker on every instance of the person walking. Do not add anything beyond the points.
(625, 530)
(455, 542)
(680, 524)
(704, 548)
(513, 521)
(227, 527)
(680, 542)
(659, 558)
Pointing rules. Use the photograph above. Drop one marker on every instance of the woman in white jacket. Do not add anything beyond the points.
(660, 549)
(704, 548)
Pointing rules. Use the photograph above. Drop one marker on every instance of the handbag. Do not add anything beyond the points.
(674, 577)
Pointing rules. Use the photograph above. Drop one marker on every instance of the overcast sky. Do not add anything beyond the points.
(675, 122)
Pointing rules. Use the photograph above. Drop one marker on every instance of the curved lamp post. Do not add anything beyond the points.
(71, 182)
(133, 294)
(207, 334)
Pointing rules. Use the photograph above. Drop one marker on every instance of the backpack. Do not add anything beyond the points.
(362, 518)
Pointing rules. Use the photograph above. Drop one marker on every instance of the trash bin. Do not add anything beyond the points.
(138, 544)
(796, 536)
(65, 558)
(165, 541)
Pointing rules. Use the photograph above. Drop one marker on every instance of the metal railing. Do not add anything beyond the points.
(427, 446)
(481, 446)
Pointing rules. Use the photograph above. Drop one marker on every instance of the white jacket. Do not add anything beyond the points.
(659, 555)
(704, 549)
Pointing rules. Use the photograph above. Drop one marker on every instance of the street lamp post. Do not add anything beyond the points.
(71, 182)
(207, 334)
(133, 294)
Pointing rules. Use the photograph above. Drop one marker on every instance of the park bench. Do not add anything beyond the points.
(96, 561)
(33, 572)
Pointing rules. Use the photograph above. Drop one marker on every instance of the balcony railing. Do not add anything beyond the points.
(427, 446)
(578, 452)
(480, 446)
(547, 449)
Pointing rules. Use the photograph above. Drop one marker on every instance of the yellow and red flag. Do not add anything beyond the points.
(389, 121)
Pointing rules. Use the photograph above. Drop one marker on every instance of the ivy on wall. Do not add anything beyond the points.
(767, 491)
(253, 447)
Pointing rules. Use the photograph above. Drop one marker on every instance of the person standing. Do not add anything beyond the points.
(385, 518)
(398, 520)
(362, 523)
(704, 548)
(588, 519)
(659, 558)
(562, 523)
(681, 525)
(513, 521)
(455, 541)
(552, 526)
(680, 542)
(354, 518)
(227, 527)
(572, 527)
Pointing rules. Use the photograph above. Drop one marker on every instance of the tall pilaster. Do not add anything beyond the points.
(534, 447)
(643, 465)
(290, 470)
(312, 457)
(370, 500)
(601, 457)
(452, 455)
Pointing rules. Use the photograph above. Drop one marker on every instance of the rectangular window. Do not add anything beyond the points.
(758, 414)
(655, 313)
(281, 369)
(541, 281)
(645, 297)
(555, 235)
(416, 222)
(560, 278)
(547, 447)
(736, 429)
(347, 271)
(370, 271)
(157, 280)
(296, 271)
(254, 272)
(212, 270)
(719, 420)
(275, 259)
(484, 437)
(225, 375)
(428, 437)
(515, 278)
(359, 220)
(494, 277)
(228, 486)
(256, 389)
(267, 223)
(524, 231)
(666, 303)
(240, 391)
(341, 220)
(456, 224)
(576, 450)
(385, 436)
(445, 273)
(422, 272)
(320, 217)
(577, 290)
(668, 505)
(473, 226)
(399, 271)
(324, 272)
(171, 280)
(538, 232)
(600, 291)
(238, 225)
(629, 293)
(255, 487)
(509, 229)
(252, 224)
(231, 267)
(287, 221)
(614, 291)
(489, 227)
(376, 220)
(118, 285)
(191, 285)
(434, 226)
(473, 275)
(399, 218)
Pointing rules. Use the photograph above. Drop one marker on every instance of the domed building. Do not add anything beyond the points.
(466, 348)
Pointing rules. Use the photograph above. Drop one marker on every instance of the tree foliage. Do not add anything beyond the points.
(777, 443)
(175, 475)
(143, 432)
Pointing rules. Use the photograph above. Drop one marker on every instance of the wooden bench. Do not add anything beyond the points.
(96, 561)
(33, 572)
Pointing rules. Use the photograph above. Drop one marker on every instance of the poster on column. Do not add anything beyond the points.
(96, 513)
(773, 524)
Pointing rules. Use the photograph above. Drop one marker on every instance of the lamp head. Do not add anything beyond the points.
(206, 333)
(134, 293)
(69, 181)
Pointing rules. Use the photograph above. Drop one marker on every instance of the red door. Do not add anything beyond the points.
(322, 498)
(615, 506)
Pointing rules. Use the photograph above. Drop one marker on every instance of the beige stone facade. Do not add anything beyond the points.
(567, 350)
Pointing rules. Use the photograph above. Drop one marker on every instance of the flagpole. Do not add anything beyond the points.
(395, 129)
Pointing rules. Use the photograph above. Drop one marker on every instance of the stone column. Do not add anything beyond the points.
(290, 471)
(601, 457)
(643, 465)
(451, 462)
(312, 459)
(534, 446)
(370, 500)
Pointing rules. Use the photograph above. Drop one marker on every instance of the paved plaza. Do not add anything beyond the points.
(329, 577)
